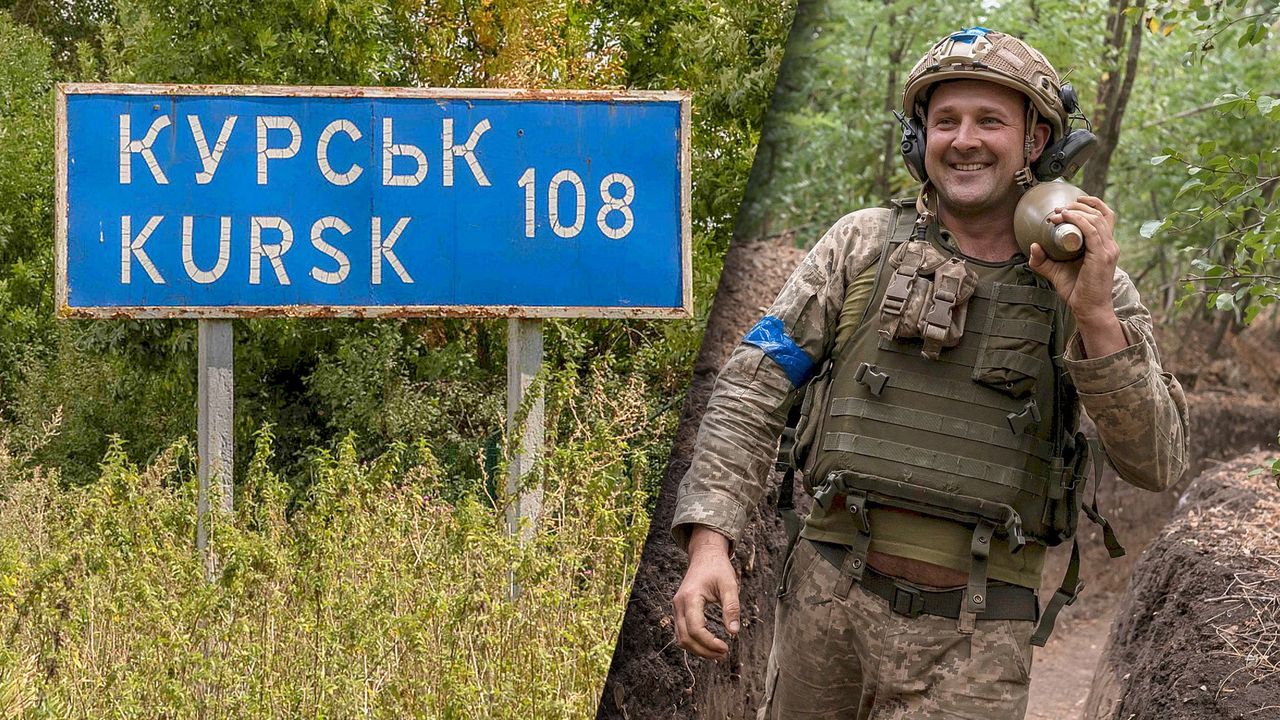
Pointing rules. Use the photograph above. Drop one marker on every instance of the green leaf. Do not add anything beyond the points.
(1225, 302)
(1188, 186)
(1207, 147)
(1150, 228)
(1265, 103)
(1159, 159)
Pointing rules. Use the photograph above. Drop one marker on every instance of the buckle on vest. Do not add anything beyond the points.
(825, 493)
(1070, 598)
(907, 601)
(895, 296)
(1020, 421)
(940, 313)
(870, 376)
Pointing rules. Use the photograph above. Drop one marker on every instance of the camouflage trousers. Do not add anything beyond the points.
(855, 658)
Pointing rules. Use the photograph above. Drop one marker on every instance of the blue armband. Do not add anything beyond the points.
(769, 336)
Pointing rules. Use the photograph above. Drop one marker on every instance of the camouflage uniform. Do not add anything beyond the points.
(1140, 412)
(854, 658)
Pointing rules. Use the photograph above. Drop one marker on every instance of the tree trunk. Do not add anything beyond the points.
(891, 132)
(1113, 93)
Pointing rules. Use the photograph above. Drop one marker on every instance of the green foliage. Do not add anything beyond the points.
(373, 597)
(26, 195)
(1225, 214)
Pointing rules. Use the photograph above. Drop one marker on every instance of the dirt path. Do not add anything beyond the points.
(1062, 671)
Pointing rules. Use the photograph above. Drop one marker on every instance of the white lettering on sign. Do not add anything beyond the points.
(390, 150)
(527, 181)
(272, 252)
(344, 264)
(131, 247)
(322, 152)
(553, 203)
(276, 122)
(382, 249)
(129, 146)
(209, 160)
(204, 277)
(613, 203)
(467, 151)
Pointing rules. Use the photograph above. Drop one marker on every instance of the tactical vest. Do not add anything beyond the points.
(982, 433)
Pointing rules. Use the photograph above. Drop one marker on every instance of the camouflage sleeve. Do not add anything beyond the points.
(1140, 410)
(738, 438)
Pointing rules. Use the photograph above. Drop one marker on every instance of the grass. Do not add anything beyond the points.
(370, 596)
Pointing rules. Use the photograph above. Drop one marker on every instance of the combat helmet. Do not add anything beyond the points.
(977, 53)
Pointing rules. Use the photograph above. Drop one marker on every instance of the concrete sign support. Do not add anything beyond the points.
(216, 443)
(524, 360)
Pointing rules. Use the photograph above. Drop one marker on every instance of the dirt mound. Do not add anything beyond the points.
(1199, 636)
(650, 677)
(1207, 356)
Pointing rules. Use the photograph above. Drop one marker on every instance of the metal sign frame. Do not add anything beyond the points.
(370, 311)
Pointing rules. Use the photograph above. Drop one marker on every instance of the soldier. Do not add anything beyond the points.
(947, 373)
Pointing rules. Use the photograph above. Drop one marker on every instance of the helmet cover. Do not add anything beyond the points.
(980, 54)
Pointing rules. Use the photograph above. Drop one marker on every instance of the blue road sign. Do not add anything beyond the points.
(227, 201)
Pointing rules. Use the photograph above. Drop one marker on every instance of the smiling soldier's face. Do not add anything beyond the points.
(974, 145)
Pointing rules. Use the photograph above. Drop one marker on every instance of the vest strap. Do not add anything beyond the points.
(1022, 294)
(1114, 548)
(1020, 330)
(856, 561)
(948, 292)
(1025, 364)
(1062, 597)
(969, 393)
(975, 600)
(961, 508)
(936, 460)
(946, 425)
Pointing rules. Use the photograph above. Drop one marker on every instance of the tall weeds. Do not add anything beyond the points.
(369, 596)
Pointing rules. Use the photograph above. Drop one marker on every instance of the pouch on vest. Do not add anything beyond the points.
(927, 297)
(1018, 327)
(1068, 479)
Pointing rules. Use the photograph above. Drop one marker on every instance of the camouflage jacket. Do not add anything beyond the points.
(1140, 410)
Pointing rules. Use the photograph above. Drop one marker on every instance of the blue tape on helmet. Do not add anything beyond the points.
(769, 336)
(969, 35)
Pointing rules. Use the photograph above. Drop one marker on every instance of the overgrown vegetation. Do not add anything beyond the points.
(366, 572)
(383, 593)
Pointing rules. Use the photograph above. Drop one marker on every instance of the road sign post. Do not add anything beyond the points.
(215, 442)
(221, 202)
(524, 361)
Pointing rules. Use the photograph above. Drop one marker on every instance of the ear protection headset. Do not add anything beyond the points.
(1062, 158)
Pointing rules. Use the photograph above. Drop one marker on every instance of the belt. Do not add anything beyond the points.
(1004, 602)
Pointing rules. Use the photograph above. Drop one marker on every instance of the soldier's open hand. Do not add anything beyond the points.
(709, 579)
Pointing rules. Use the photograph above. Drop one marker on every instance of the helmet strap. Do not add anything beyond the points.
(1024, 177)
(926, 201)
